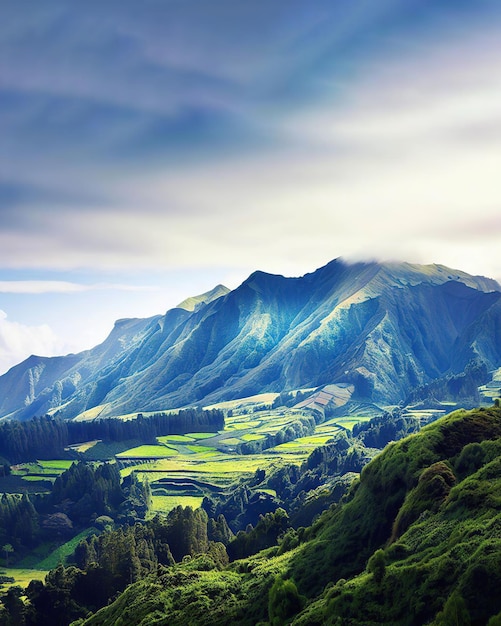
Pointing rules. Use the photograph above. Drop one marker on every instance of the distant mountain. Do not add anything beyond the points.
(386, 328)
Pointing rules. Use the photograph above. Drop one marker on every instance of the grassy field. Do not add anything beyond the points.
(47, 556)
(48, 468)
(215, 463)
(201, 435)
(178, 438)
(60, 554)
(164, 504)
(22, 577)
(148, 452)
(203, 461)
(252, 437)
(84, 447)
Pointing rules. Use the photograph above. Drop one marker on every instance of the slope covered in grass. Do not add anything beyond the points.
(417, 541)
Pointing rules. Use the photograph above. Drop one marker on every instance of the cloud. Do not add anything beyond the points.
(248, 134)
(17, 342)
(60, 286)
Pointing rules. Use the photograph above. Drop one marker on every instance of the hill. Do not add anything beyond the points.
(417, 541)
(384, 328)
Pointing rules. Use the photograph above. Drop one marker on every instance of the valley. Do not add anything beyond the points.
(183, 469)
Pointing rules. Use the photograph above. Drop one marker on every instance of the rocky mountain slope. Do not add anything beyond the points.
(385, 328)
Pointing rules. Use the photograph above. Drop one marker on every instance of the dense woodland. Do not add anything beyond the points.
(47, 437)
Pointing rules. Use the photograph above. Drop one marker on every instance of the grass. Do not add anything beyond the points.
(303, 443)
(148, 451)
(47, 468)
(202, 449)
(183, 455)
(348, 421)
(60, 554)
(230, 441)
(85, 446)
(175, 439)
(243, 425)
(22, 577)
(57, 464)
(164, 504)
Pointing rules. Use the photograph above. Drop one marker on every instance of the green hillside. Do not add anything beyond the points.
(417, 541)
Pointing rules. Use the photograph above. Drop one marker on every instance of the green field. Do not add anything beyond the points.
(204, 461)
(252, 437)
(46, 468)
(204, 450)
(164, 504)
(230, 441)
(148, 452)
(176, 439)
(22, 577)
(215, 464)
(60, 554)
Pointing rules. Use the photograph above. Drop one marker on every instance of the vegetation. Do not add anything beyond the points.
(47, 437)
(415, 540)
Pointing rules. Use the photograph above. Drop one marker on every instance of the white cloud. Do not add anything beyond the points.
(17, 342)
(61, 286)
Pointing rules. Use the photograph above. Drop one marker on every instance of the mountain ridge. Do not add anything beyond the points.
(384, 327)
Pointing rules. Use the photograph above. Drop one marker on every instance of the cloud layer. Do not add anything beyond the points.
(176, 135)
(155, 138)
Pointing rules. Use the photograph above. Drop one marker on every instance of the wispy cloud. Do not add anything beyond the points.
(60, 286)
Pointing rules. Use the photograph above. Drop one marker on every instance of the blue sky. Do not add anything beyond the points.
(150, 150)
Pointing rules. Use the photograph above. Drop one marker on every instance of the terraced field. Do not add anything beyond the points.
(181, 469)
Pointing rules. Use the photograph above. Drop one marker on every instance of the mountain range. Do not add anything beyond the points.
(385, 328)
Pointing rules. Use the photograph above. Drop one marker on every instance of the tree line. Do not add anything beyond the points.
(46, 437)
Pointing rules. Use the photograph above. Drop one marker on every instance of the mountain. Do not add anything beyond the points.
(417, 541)
(195, 302)
(386, 328)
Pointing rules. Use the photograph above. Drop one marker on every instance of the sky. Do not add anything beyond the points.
(151, 150)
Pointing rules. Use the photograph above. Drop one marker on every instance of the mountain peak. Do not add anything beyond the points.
(193, 302)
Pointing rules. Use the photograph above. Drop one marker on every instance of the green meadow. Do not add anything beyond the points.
(215, 464)
(202, 462)
(22, 577)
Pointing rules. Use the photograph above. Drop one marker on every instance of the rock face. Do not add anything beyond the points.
(385, 328)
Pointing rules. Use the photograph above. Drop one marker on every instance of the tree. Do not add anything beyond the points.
(7, 549)
(284, 601)
(377, 566)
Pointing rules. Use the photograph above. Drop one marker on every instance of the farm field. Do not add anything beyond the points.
(182, 470)
(164, 504)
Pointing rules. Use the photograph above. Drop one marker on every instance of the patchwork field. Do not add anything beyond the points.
(181, 470)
